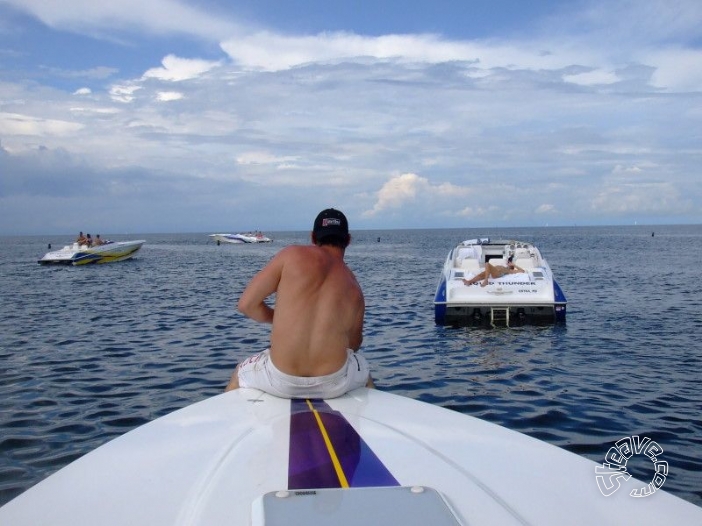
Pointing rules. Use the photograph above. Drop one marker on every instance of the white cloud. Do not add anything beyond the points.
(545, 209)
(273, 52)
(592, 78)
(176, 69)
(263, 158)
(17, 124)
(95, 110)
(398, 191)
(676, 69)
(124, 92)
(83, 91)
(168, 96)
(155, 16)
(647, 199)
(408, 188)
(478, 212)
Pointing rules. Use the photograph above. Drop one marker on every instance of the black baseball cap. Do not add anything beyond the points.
(330, 222)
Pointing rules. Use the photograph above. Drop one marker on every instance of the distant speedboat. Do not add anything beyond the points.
(108, 252)
(529, 296)
(252, 237)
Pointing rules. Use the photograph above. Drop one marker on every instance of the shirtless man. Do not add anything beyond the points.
(317, 323)
(494, 271)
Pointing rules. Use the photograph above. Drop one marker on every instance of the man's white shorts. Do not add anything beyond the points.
(259, 372)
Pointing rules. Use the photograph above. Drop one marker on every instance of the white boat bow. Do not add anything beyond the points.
(368, 457)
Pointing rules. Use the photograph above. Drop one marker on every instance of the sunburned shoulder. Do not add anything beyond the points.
(298, 251)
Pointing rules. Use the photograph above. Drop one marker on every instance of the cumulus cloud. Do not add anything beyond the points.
(176, 69)
(408, 188)
(124, 92)
(168, 96)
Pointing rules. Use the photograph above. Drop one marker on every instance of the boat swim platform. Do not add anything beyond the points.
(501, 315)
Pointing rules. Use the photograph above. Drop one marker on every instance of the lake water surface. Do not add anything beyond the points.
(88, 353)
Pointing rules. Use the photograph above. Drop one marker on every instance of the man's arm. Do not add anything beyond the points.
(356, 338)
(252, 301)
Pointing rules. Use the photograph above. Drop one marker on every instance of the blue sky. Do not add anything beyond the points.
(212, 115)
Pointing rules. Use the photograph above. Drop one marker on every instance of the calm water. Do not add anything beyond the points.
(89, 353)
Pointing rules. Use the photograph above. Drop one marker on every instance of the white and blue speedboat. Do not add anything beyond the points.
(238, 239)
(77, 254)
(529, 296)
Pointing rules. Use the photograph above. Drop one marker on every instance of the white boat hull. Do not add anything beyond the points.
(529, 296)
(76, 254)
(246, 457)
(238, 239)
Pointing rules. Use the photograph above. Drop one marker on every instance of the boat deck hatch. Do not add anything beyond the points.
(354, 507)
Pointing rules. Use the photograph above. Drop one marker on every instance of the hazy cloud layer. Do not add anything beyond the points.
(590, 117)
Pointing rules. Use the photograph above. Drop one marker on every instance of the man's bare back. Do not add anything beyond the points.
(319, 309)
(317, 321)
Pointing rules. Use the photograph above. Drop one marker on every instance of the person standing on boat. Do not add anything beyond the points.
(317, 322)
(494, 271)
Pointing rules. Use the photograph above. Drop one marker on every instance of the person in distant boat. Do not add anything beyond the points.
(88, 240)
(494, 271)
(98, 241)
(81, 239)
(317, 321)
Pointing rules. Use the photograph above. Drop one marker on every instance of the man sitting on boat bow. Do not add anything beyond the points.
(317, 323)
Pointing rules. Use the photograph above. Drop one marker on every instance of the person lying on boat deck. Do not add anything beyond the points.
(81, 239)
(317, 323)
(494, 271)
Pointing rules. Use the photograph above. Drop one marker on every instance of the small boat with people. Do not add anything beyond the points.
(497, 282)
(88, 253)
(368, 457)
(237, 239)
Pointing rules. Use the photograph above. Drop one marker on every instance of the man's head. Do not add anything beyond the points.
(331, 228)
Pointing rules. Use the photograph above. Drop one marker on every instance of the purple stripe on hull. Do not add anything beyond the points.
(311, 465)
